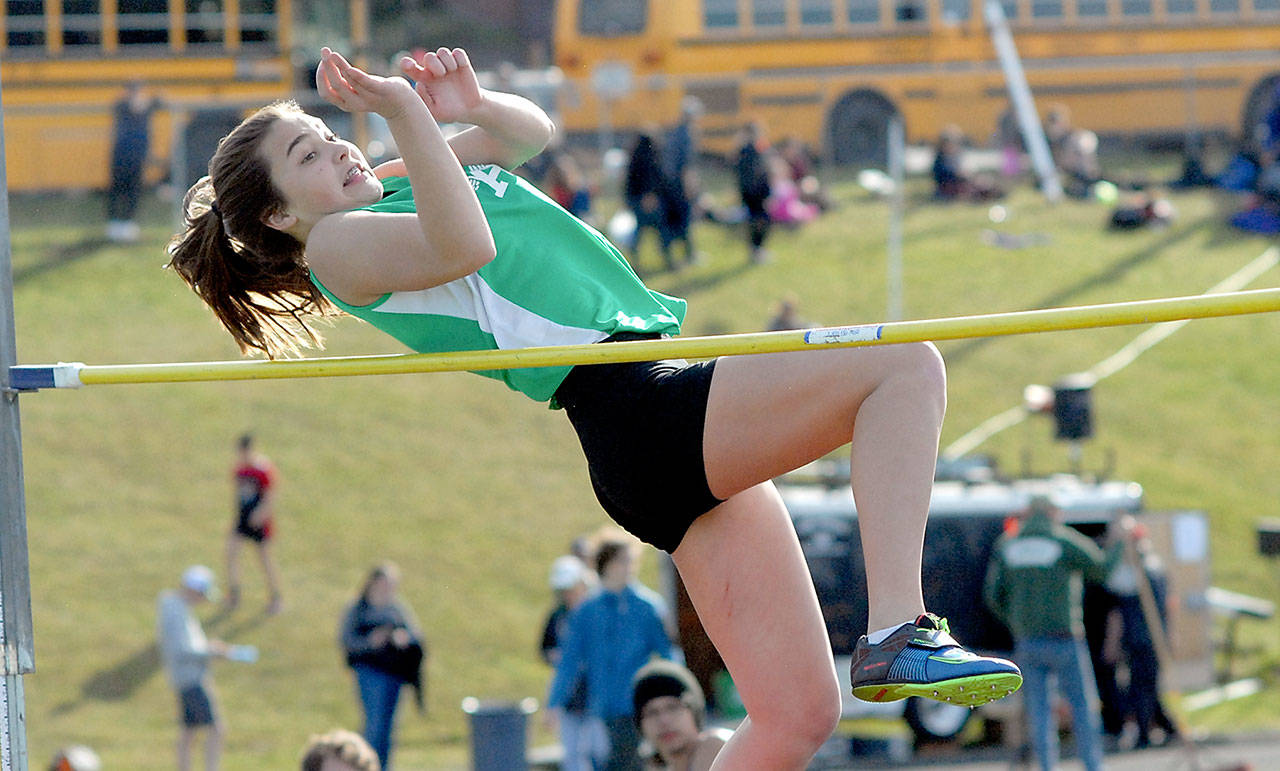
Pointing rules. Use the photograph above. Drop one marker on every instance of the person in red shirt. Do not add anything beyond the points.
(254, 502)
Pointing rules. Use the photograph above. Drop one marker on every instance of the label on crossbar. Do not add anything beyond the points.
(836, 335)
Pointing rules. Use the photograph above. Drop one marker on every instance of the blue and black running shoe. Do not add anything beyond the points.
(923, 659)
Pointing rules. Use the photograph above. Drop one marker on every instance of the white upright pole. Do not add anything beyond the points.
(897, 203)
(1020, 95)
(16, 648)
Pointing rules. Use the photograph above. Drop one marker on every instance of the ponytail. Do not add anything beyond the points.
(254, 278)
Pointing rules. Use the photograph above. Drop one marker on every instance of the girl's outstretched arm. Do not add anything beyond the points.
(361, 255)
(506, 129)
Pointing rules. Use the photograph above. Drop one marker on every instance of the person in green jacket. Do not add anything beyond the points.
(1034, 585)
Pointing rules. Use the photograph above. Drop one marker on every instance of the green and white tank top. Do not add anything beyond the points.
(554, 281)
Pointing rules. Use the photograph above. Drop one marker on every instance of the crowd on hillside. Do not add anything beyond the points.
(1250, 174)
(661, 189)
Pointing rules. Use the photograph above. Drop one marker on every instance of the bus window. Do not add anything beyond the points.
(1135, 7)
(258, 22)
(864, 11)
(144, 22)
(81, 25)
(1266, 6)
(24, 22)
(1046, 9)
(720, 14)
(818, 12)
(1224, 6)
(956, 10)
(612, 18)
(911, 10)
(1010, 9)
(769, 13)
(1092, 8)
(204, 22)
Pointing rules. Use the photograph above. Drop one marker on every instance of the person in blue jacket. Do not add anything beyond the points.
(611, 636)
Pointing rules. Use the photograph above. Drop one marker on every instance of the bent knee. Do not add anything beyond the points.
(809, 715)
(922, 365)
(822, 717)
(925, 361)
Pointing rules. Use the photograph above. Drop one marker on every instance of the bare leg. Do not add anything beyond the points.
(213, 747)
(768, 628)
(772, 413)
(185, 738)
(273, 577)
(233, 569)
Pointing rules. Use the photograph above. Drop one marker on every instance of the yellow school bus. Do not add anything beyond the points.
(63, 63)
(834, 72)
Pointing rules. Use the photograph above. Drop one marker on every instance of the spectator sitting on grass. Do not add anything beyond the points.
(1079, 164)
(785, 205)
(950, 181)
(1262, 210)
(800, 166)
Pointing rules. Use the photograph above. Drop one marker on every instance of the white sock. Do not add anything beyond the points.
(880, 635)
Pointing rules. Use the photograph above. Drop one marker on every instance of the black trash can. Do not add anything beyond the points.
(1072, 409)
(498, 735)
(1269, 537)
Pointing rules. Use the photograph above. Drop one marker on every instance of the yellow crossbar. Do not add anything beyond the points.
(30, 377)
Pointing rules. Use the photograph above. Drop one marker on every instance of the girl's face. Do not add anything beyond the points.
(317, 173)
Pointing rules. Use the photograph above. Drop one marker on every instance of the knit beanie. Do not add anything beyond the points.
(667, 678)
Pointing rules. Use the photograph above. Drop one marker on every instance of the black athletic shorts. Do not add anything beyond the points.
(245, 528)
(641, 426)
(195, 706)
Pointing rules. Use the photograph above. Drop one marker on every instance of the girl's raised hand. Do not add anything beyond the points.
(446, 82)
(352, 89)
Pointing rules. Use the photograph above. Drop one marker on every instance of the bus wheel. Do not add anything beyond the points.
(934, 721)
(1259, 101)
(858, 129)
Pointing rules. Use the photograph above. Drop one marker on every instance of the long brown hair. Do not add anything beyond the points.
(253, 277)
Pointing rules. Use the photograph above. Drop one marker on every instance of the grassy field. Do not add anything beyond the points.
(474, 491)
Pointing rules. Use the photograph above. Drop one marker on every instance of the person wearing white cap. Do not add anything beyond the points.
(186, 652)
(582, 737)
